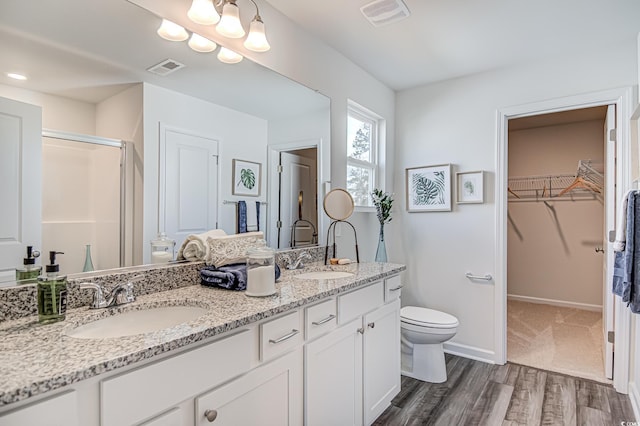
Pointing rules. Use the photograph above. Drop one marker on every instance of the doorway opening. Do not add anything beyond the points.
(558, 165)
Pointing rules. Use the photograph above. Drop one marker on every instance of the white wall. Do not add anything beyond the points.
(454, 122)
(240, 136)
(551, 246)
(120, 117)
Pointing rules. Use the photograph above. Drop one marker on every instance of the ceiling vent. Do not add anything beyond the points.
(385, 12)
(166, 67)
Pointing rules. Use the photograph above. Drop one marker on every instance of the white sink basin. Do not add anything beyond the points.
(137, 322)
(323, 275)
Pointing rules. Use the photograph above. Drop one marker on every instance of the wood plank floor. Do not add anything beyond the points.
(477, 393)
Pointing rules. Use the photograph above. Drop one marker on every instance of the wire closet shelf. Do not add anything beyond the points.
(586, 184)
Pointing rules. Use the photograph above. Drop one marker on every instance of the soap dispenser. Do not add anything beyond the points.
(52, 293)
(29, 271)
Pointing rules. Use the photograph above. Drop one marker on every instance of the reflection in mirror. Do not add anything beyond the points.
(80, 74)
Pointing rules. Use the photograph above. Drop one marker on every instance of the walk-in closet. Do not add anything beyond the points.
(556, 241)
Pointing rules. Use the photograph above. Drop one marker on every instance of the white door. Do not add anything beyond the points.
(20, 191)
(381, 359)
(333, 383)
(297, 199)
(188, 184)
(609, 217)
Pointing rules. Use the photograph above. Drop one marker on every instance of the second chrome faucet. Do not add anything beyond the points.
(121, 294)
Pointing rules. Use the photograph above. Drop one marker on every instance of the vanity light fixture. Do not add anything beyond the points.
(201, 44)
(203, 12)
(230, 25)
(257, 40)
(229, 56)
(171, 31)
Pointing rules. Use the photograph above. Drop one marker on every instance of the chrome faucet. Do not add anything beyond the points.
(296, 264)
(121, 294)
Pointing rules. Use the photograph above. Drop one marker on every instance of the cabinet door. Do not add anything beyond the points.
(381, 359)
(60, 410)
(268, 395)
(333, 386)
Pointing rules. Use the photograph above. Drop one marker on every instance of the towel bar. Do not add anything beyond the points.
(486, 277)
(264, 203)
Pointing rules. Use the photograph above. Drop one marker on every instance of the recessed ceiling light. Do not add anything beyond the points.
(16, 76)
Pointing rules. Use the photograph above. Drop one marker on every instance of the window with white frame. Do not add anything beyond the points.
(362, 154)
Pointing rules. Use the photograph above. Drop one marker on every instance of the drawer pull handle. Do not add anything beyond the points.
(396, 289)
(361, 330)
(285, 337)
(327, 319)
(211, 415)
(371, 325)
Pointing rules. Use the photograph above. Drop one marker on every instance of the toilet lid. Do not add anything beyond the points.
(428, 317)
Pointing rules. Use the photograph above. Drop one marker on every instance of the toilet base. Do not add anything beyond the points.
(428, 364)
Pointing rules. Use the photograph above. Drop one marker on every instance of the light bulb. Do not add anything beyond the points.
(257, 40)
(171, 31)
(203, 12)
(201, 44)
(229, 56)
(230, 25)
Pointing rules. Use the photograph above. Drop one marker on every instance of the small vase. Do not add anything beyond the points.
(88, 263)
(381, 252)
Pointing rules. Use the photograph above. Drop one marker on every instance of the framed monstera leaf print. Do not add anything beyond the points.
(429, 188)
(246, 178)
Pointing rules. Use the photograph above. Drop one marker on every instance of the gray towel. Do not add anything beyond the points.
(626, 273)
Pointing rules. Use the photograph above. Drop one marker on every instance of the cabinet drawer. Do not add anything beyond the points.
(320, 319)
(279, 335)
(147, 391)
(60, 410)
(359, 302)
(392, 288)
(171, 418)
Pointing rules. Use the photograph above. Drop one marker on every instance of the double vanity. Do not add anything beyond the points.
(324, 350)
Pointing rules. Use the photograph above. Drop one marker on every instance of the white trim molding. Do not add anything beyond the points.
(470, 352)
(553, 302)
(622, 98)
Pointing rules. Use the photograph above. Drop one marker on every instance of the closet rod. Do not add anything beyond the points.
(264, 203)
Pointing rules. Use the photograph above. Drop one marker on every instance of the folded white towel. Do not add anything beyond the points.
(195, 246)
(621, 224)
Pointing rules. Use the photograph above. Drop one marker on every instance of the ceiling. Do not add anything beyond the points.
(559, 118)
(68, 55)
(443, 39)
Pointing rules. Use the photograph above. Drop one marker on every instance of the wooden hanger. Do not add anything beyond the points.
(580, 182)
(512, 193)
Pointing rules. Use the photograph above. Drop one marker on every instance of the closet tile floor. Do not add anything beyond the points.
(554, 338)
(478, 393)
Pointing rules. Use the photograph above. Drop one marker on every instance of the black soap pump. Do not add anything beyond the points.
(52, 293)
(29, 271)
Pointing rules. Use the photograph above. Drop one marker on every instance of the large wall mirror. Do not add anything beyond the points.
(86, 64)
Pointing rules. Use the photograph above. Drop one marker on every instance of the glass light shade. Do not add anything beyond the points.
(230, 25)
(257, 40)
(203, 12)
(229, 56)
(172, 31)
(201, 44)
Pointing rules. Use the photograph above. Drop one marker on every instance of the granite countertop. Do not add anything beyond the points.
(37, 358)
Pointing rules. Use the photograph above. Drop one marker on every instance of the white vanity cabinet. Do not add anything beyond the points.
(60, 410)
(353, 373)
(268, 395)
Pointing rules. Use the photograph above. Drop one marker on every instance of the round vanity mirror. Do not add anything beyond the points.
(338, 204)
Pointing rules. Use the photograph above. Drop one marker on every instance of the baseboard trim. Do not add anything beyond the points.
(586, 306)
(470, 352)
(634, 397)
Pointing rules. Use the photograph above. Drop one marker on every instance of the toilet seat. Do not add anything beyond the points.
(427, 317)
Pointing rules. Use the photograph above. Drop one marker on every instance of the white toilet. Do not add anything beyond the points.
(423, 331)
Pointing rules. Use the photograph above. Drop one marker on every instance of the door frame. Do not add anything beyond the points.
(273, 160)
(622, 98)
